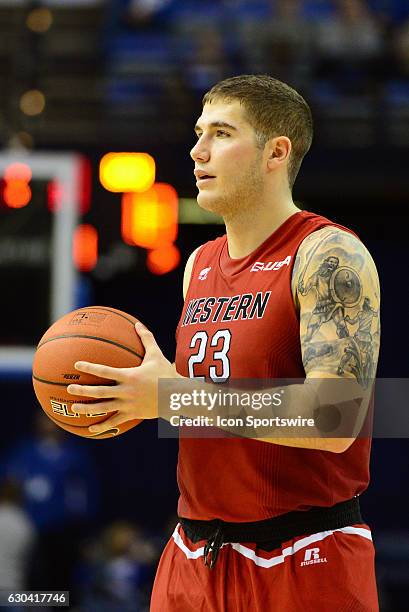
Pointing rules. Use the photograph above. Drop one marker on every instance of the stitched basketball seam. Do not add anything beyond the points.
(125, 348)
(58, 384)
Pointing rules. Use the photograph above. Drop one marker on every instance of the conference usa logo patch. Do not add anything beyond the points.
(260, 266)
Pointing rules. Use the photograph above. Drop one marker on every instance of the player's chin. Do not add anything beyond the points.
(209, 202)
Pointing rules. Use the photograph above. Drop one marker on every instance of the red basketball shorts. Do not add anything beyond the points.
(330, 571)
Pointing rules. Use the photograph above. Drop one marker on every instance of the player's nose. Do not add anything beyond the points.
(200, 152)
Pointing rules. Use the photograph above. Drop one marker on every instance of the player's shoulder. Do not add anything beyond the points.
(319, 231)
(328, 233)
(194, 257)
(332, 237)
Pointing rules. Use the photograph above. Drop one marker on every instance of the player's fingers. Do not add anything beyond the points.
(147, 337)
(114, 421)
(93, 391)
(97, 369)
(96, 409)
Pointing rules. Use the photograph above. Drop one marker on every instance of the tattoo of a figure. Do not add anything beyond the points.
(333, 280)
(358, 357)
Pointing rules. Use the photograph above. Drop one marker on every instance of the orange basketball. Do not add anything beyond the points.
(97, 334)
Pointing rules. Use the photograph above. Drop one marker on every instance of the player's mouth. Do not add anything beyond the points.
(203, 177)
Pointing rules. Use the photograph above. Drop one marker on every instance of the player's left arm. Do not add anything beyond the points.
(346, 293)
(349, 294)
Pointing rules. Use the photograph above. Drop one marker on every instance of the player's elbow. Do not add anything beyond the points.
(338, 445)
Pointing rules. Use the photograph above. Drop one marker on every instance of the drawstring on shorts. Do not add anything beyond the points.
(212, 547)
(271, 533)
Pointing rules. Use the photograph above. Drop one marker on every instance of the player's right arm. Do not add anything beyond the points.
(188, 271)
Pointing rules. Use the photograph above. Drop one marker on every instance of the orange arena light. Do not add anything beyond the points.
(150, 219)
(85, 247)
(127, 172)
(16, 194)
(163, 260)
(17, 191)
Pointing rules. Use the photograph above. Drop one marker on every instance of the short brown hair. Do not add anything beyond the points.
(273, 108)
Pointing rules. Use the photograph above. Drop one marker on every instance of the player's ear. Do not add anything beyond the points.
(278, 151)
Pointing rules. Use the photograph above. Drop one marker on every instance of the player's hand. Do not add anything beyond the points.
(135, 394)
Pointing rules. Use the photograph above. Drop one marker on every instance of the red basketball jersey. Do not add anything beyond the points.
(246, 309)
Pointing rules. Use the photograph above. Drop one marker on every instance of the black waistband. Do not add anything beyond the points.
(271, 533)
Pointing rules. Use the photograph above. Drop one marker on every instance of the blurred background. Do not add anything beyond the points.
(81, 79)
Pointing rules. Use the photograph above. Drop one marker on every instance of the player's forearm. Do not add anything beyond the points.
(324, 414)
(337, 408)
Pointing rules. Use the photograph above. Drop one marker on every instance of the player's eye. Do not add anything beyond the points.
(222, 133)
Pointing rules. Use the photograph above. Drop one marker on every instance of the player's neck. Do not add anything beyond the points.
(247, 231)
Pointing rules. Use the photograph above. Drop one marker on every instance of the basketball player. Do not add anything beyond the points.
(270, 524)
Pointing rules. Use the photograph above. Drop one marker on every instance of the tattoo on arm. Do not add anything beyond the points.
(337, 287)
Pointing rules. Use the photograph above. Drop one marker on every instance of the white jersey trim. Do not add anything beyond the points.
(286, 552)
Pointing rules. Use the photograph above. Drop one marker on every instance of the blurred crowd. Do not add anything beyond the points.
(55, 535)
(115, 68)
(350, 58)
(353, 44)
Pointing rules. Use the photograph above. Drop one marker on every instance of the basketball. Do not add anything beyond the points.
(97, 334)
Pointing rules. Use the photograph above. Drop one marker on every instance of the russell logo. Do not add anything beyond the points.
(271, 265)
(312, 556)
(203, 274)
